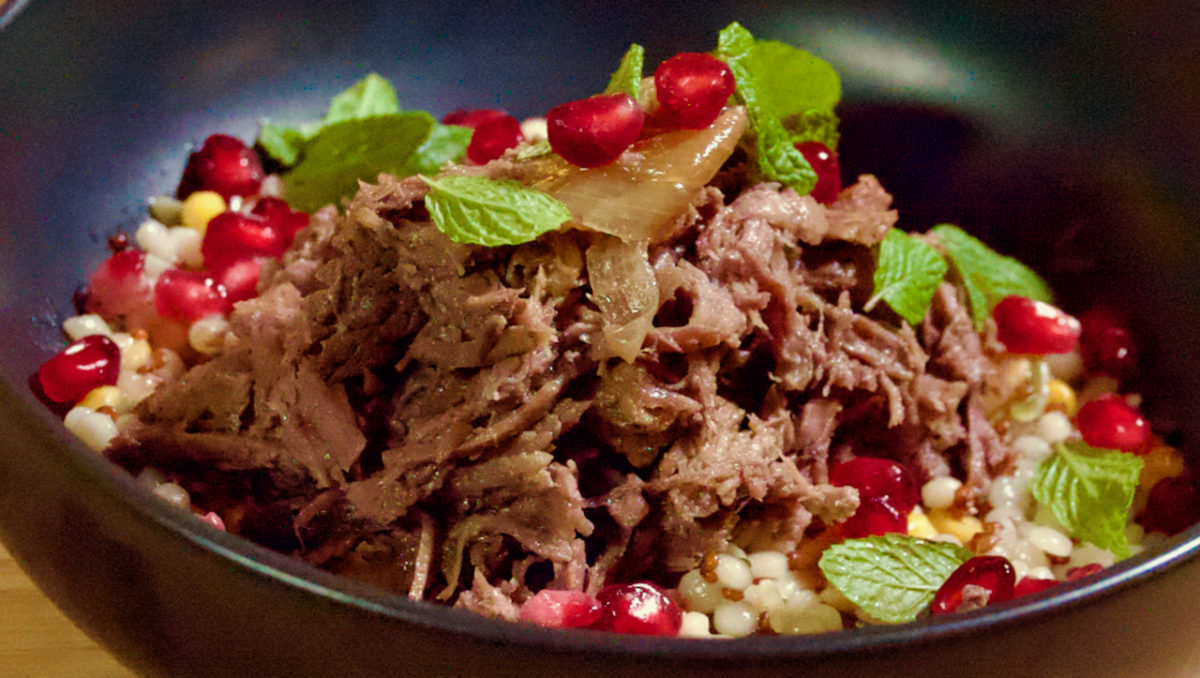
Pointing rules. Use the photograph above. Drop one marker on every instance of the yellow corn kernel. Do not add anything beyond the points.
(1162, 461)
(101, 396)
(136, 356)
(919, 525)
(964, 527)
(1062, 397)
(199, 208)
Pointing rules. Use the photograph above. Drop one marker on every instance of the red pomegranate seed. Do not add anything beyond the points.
(188, 296)
(1107, 345)
(1030, 585)
(829, 171)
(1109, 422)
(494, 133)
(223, 164)
(214, 519)
(875, 477)
(561, 609)
(641, 608)
(117, 286)
(232, 236)
(595, 131)
(693, 88)
(874, 515)
(240, 279)
(1172, 507)
(92, 361)
(994, 574)
(281, 217)
(1026, 325)
(1083, 571)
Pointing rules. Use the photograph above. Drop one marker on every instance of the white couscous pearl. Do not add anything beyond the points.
(153, 237)
(1032, 447)
(939, 493)
(1005, 491)
(1050, 541)
(700, 595)
(733, 572)
(534, 128)
(764, 595)
(1004, 513)
(1040, 573)
(207, 335)
(186, 242)
(694, 625)
(735, 618)
(154, 266)
(80, 326)
(813, 618)
(771, 564)
(1088, 553)
(174, 495)
(95, 429)
(135, 386)
(1054, 427)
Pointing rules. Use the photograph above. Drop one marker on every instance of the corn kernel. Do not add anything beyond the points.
(1162, 461)
(200, 207)
(919, 525)
(964, 528)
(101, 396)
(136, 356)
(1062, 397)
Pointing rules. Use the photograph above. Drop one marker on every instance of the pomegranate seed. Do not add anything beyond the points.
(991, 573)
(561, 609)
(1026, 325)
(188, 296)
(240, 279)
(641, 608)
(1083, 571)
(1109, 422)
(223, 164)
(117, 286)
(214, 519)
(874, 515)
(1107, 344)
(1030, 585)
(1172, 507)
(829, 171)
(595, 131)
(878, 478)
(693, 88)
(92, 361)
(281, 217)
(232, 236)
(494, 133)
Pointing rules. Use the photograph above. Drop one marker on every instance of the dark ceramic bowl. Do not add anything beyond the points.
(1065, 134)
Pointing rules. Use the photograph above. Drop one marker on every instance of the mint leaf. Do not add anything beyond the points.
(1089, 490)
(373, 95)
(908, 273)
(282, 143)
(790, 80)
(342, 153)
(892, 577)
(628, 76)
(771, 145)
(535, 149)
(446, 143)
(987, 275)
(488, 212)
(814, 125)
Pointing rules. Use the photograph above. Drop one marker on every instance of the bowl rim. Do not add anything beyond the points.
(263, 563)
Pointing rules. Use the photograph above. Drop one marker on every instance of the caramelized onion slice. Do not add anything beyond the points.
(638, 197)
(626, 292)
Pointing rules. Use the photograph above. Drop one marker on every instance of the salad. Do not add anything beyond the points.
(641, 365)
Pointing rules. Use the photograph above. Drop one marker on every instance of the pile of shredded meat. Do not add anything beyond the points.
(443, 420)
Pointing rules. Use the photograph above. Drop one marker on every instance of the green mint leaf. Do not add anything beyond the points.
(342, 153)
(1089, 490)
(987, 275)
(814, 125)
(484, 211)
(908, 273)
(628, 76)
(282, 143)
(790, 80)
(446, 143)
(771, 145)
(534, 150)
(892, 577)
(373, 95)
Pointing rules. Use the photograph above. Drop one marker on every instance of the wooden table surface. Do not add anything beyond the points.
(37, 641)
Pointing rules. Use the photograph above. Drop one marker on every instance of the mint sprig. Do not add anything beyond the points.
(906, 276)
(489, 212)
(790, 80)
(892, 577)
(771, 145)
(987, 275)
(1089, 490)
(628, 76)
(814, 125)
